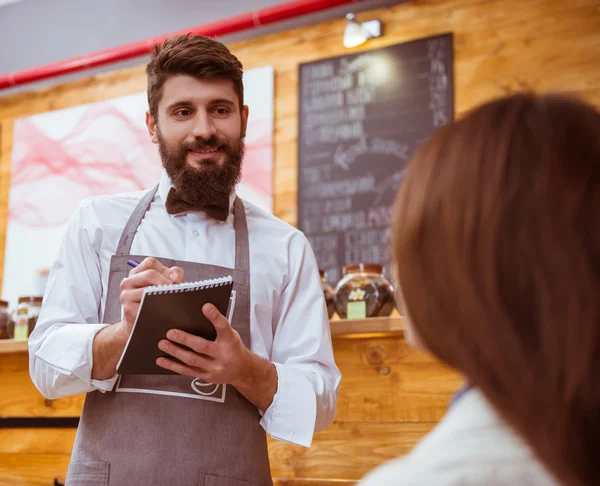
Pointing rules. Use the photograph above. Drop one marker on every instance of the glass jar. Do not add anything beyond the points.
(6, 329)
(364, 292)
(329, 294)
(25, 316)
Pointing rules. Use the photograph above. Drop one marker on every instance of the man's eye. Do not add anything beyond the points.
(183, 112)
(222, 111)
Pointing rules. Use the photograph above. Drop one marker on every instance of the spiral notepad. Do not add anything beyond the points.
(173, 307)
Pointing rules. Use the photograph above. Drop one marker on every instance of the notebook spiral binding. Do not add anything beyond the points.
(188, 286)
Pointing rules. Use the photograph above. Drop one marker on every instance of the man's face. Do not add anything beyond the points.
(199, 130)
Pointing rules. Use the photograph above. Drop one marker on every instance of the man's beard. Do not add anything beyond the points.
(210, 182)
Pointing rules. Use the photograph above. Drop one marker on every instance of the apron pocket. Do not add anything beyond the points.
(210, 480)
(88, 474)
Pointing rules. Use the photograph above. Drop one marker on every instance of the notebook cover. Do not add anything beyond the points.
(172, 310)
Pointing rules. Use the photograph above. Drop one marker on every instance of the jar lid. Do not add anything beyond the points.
(3, 303)
(363, 267)
(30, 299)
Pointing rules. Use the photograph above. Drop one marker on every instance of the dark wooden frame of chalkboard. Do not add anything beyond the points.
(381, 104)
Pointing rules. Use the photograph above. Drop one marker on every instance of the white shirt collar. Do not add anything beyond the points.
(165, 185)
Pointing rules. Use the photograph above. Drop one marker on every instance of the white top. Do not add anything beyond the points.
(288, 321)
(471, 446)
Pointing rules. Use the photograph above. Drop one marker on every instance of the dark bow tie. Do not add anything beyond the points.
(175, 205)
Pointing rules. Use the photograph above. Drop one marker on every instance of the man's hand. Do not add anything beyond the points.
(109, 343)
(147, 274)
(225, 360)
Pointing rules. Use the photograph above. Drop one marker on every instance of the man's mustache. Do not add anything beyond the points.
(202, 143)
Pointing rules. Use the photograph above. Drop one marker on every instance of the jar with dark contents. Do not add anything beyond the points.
(6, 329)
(329, 294)
(364, 292)
(25, 316)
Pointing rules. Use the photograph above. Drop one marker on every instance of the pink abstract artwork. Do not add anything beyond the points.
(62, 157)
(104, 153)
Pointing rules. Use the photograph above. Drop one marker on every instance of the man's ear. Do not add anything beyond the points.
(152, 128)
(245, 112)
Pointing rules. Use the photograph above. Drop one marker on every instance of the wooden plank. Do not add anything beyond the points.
(384, 379)
(10, 346)
(346, 450)
(20, 398)
(37, 441)
(14, 362)
(32, 469)
(366, 328)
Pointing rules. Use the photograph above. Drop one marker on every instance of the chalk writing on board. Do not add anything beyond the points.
(438, 81)
(345, 156)
(361, 118)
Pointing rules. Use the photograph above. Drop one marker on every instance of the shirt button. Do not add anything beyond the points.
(195, 233)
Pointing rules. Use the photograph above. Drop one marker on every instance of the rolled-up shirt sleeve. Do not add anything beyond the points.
(60, 346)
(308, 378)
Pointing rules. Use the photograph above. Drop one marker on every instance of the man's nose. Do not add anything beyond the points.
(203, 126)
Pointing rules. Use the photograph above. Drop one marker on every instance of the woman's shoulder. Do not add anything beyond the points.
(406, 472)
(471, 446)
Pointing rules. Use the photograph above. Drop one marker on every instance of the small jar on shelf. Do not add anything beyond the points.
(6, 324)
(25, 316)
(364, 292)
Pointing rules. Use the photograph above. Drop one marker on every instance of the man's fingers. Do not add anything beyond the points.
(150, 263)
(176, 274)
(178, 368)
(189, 358)
(218, 320)
(132, 295)
(146, 278)
(195, 343)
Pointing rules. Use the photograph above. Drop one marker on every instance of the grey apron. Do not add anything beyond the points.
(166, 429)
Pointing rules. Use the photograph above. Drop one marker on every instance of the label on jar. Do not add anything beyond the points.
(356, 310)
(21, 328)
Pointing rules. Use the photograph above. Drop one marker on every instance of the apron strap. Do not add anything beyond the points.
(242, 247)
(124, 246)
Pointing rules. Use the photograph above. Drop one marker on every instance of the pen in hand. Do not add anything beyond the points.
(175, 274)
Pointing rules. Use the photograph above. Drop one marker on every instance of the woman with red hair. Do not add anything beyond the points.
(496, 249)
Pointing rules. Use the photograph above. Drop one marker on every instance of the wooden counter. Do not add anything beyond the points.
(389, 398)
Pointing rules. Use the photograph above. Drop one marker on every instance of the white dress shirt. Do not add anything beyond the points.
(288, 320)
(471, 446)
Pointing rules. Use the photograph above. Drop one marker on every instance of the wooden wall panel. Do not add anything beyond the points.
(32, 469)
(390, 395)
(20, 398)
(346, 450)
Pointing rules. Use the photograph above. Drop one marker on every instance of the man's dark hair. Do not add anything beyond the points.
(191, 55)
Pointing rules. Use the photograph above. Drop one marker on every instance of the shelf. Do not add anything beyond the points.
(366, 328)
(9, 346)
(340, 329)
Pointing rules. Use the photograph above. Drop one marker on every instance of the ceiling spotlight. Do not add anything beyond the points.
(357, 33)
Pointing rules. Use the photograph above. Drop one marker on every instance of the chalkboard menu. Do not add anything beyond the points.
(361, 118)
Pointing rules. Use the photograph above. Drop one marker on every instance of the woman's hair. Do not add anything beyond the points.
(496, 245)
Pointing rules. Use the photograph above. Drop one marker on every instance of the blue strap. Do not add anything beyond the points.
(458, 395)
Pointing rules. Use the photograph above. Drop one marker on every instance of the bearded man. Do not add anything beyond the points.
(270, 370)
